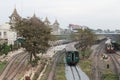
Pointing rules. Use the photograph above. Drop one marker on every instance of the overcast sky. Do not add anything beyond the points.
(95, 14)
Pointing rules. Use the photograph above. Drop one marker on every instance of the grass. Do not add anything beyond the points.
(42, 65)
(60, 73)
(47, 71)
(108, 75)
(86, 53)
(86, 66)
(85, 63)
(2, 65)
(60, 70)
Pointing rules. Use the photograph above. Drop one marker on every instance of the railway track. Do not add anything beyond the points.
(95, 70)
(75, 73)
(55, 61)
(11, 77)
(116, 65)
(22, 69)
(99, 48)
(117, 54)
(9, 64)
(13, 67)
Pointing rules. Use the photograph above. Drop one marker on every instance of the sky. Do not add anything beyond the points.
(103, 14)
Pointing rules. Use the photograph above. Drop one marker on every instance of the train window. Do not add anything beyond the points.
(108, 46)
(68, 54)
(76, 53)
(112, 45)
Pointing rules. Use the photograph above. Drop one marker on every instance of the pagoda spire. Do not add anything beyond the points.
(15, 15)
(56, 22)
(34, 15)
(46, 21)
(34, 18)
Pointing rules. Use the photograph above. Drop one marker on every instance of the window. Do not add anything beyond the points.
(5, 33)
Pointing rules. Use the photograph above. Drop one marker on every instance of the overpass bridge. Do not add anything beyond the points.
(108, 33)
(105, 35)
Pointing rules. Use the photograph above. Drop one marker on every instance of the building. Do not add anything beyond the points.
(56, 30)
(47, 22)
(14, 17)
(6, 33)
(74, 27)
(9, 34)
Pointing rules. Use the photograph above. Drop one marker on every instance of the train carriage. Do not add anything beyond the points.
(109, 46)
(72, 57)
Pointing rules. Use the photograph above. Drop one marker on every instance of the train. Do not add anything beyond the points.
(71, 55)
(111, 46)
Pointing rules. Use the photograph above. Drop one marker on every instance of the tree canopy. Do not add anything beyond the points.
(85, 37)
(36, 35)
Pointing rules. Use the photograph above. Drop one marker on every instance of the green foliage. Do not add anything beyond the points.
(110, 77)
(59, 37)
(4, 49)
(86, 38)
(86, 67)
(35, 61)
(86, 53)
(60, 70)
(2, 65)
(36, 35)
(37, 73)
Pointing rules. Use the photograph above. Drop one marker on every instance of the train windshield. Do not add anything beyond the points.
(76, 53)
(68, 54)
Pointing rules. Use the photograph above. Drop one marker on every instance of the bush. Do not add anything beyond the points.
(86, 53)
(110, 77)
(4, 49)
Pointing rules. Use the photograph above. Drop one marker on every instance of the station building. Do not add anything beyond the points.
(8, 34)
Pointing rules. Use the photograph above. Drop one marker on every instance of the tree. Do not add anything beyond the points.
(36, 35)
(86, 38)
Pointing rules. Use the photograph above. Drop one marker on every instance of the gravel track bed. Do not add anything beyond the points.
(116, 64)
(14, 66)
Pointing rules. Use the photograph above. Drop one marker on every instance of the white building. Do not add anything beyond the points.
(56, 30)
(75, 27)
(7, 34)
